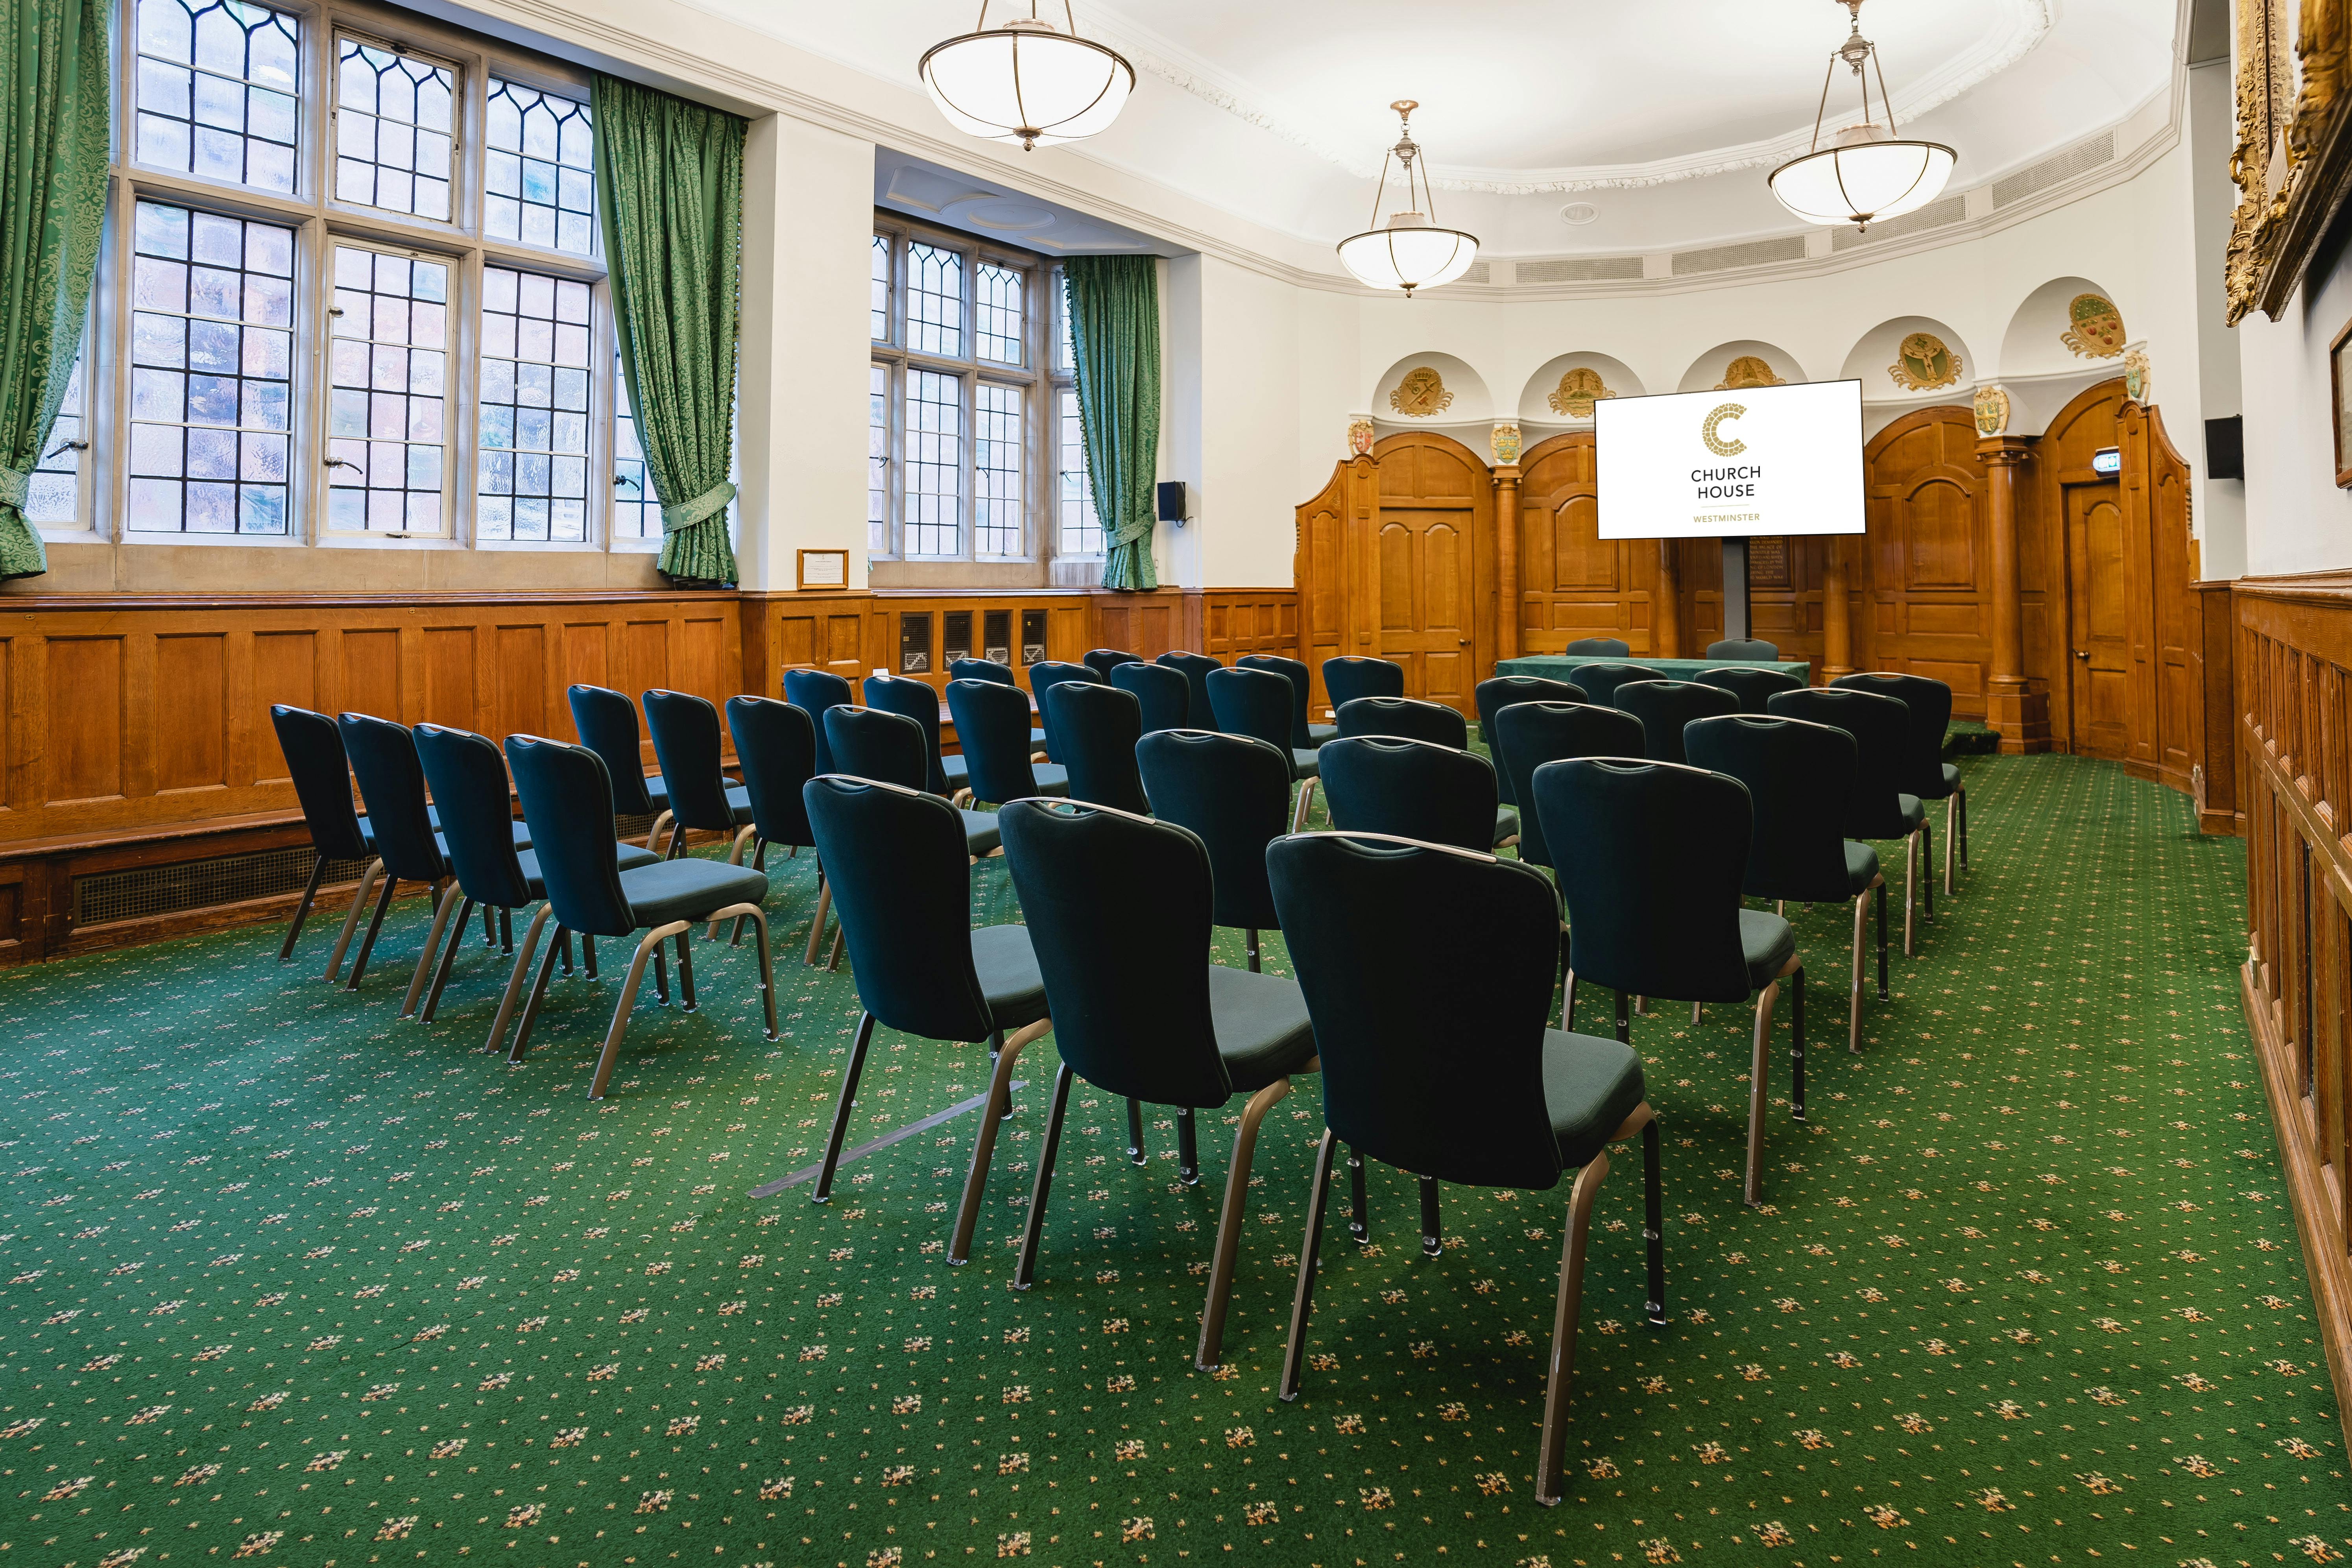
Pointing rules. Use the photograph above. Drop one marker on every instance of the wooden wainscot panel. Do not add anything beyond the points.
(1925, 563)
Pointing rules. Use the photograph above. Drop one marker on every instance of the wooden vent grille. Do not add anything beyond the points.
(144, 892)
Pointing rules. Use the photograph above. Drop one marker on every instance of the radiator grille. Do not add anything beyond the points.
(145, 891)
(1582, 269)
(1935, 214)
(1751, 252)
(2079, 159)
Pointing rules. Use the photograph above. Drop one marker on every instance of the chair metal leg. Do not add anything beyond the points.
(651, 944)
(743, 835)
(1910, 894)
(1760, 1060)
(1854, 998)
(833, 959)
(375, 925)
(1796, 1041)
(686, 973)
(767, 982)
(1963, 798)
(1881, 886)
(1187, 1148)
(489, 927)
(563, 952)
(759, 863)
(1135, 1152)
(1654, 1222)
(653, 836)
(1306, 798)
(1359, 1229)
(1951, 837)
(1624, 1019)
(302, 910)
(824, 903)
(1308, 1249)
(531, 1008)
(999, 1100)
(448, 958)
(1025, 1271)
(514, 980)
(1695, 1008)
(1432, 1236)
(823, 1192)
(661, 978)
(1565, 1308)
(1567, 1004)
(351, 920)
(506, 934)
(1229, 1222)
(1926, 872)
(432, 934)
(588, 954)
(1249, 938)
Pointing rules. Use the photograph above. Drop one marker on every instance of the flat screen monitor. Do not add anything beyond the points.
(1725, 465)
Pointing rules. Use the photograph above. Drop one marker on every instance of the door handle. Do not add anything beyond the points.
(2083, 653)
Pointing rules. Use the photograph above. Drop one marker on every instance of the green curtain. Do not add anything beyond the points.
(669, 193)
(53, 148)
(1115, 329)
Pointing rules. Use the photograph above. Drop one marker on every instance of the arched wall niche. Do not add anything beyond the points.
(1556, 396)
(2059, 331)
(1459, 399)
(1735, 360)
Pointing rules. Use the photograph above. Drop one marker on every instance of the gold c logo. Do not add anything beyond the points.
(1717, 444)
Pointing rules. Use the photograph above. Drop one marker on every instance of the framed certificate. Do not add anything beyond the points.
(823, 569)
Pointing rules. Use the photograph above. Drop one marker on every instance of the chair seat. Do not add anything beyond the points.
(1007, 967)
(1036, 739)
(1319, 733)
(979, 834)
(1053, 778)
(1304, 764)
(739, 801)
(522, 836)
(1914, 812)
(1861, 866)
(1590, 1085)
(1507, 823)
(1767, 941)
(657, 791)
(627, 856)
(957, 769)
(1262, 1030)
(1951, 779)
(687, 889)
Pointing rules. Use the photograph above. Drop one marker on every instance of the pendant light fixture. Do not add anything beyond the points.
(1867, 173)
(1411, 252)
(1026, 80)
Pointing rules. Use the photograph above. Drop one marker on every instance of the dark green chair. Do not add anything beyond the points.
(1755, 687)
(869, 743)
(1742, 647)
(1600, 648)
(607, 725)
(1529, 735)
(686, 743)
(919, 700)
(1120, 909)
(1663, 707)
(1347, 677)
(1099, 726)
(1002, 674)
(1496, 693)
(1652, 896)
(812, 691)
(1435, 1057)
(1163, 694)
(1257, 703)
(991, 724)
(1601, 680)
(775, 746)
(1042, 677)
(1195, 667)
(1800, 779)
(1103, 660)
(1412, 789)
(1406, 718)
(1924, 772)
(1881, 809)
(321, 774)
(1305, 736)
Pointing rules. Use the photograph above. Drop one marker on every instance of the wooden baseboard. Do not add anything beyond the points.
(2307, 1193)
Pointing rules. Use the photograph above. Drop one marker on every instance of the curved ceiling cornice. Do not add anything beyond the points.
(2024, 24)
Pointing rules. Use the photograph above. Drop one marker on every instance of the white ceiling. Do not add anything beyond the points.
(1663, 114)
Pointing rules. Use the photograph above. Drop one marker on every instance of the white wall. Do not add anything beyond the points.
(2296, 518)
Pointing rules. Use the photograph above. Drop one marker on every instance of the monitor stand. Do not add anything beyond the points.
(1734, 590)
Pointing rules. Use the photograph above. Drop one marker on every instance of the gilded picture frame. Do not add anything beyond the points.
(2339, 402)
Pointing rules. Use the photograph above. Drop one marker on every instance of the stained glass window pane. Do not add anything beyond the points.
(211, 353)
(881, 307)
(54, 496)
(533, 480)
(388, 393)
(217, 88)
(999, 289)
(392, 130)
(538, 169)
(934, 301)
(1074, 492)
(877, 460)
(996, 464)
(933, 523)
(635, 513)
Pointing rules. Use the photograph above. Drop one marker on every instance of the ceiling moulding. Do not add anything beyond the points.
(2029, 22)
(1941, 214)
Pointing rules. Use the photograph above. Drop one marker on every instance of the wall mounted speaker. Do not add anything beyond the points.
(1175, 501)
(2225, 448)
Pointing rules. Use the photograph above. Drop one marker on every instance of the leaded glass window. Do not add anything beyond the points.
(998, 458)
(533, 482)
(218, 85)
(934, 469)
(386, 449)
(539, 177)
(393, 126)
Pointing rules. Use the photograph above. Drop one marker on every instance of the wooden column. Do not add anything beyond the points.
(1666, 603)
(1837, 613)
(2015, 712)
(1506, 561)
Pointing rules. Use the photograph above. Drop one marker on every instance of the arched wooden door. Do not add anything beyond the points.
(1572, 583)
(1432, 551)
(2094, 538)
(1928, 592)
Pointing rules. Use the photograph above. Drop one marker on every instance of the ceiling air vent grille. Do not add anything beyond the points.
(1752, 253)
(1935, 214)
(1477, 272)
(1582, 269)
(143, 892)
(2080, 159)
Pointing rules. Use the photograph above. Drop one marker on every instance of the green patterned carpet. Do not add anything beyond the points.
(286, 1278)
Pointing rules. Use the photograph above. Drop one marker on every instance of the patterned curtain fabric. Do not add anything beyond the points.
(1115, 329)
(53, 144)
(669, 194)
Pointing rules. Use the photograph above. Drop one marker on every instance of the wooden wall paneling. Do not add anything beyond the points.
(1927, 558)
(2042, 590)
(1432, 559)
(83, 719)
(1572, 583)
(191, 726)
(2179, 679)
(2216, 779)
(2086, 530)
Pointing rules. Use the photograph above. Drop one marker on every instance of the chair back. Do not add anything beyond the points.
(469, 780)
(1742, 647)
(1931, 702)
(1430, 1032)
(1195, 667)
(1653, 891)
(1880, 728)
(391, 782)
(1347, 677)
(1601, 682)
(1800, 779)
(898, 863)
(982, 669)
(1499, 692)
(1409, 789)
(1231, 791)
(1600, 648)
(1663, 707)
(1406, 718)
(313, 749)
(1753, 687)
(775, 746)
(686, 743)
(1253, 702)
(1099, 726)
(868, 744)
(1043, 676)
(607, 722)
(1301, 684)
(992, 722)
(1103, 660)
(1118, 911)
(1165, 694)
(812, 691)
(567, 798)
(918, 700)
(1529, 735)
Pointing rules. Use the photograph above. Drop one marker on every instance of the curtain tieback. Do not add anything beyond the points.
(686, 514)
(14, 483)
(1130, 532)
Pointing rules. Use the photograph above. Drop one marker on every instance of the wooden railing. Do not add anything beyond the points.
(2294, 723)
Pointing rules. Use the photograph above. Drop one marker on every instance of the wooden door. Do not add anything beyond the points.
(1573, 583)
(2098, 628)
(1436, 512)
